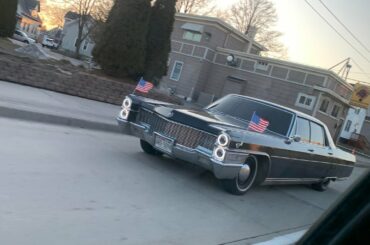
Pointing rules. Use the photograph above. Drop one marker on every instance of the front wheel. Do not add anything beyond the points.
(245, 179)
(149, 149)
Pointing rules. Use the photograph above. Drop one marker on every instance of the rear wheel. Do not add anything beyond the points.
(149, 149)
(321, 186)
(245, 179)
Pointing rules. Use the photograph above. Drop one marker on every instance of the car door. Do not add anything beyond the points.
(322, 153)
(303, 159)
(303, 152)
(293, 162)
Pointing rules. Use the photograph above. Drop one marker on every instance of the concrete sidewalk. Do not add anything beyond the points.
(28, 103)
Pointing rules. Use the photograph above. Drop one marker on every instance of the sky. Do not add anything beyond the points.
(311, 41)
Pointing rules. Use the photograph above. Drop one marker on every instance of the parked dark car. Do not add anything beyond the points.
(244, 141)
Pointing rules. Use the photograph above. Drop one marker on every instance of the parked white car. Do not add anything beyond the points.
(49, 42)
(21, 36)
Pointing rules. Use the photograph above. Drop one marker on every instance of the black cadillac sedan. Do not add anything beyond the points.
(244, 141)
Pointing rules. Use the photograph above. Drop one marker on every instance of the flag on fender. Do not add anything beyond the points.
(144, 86)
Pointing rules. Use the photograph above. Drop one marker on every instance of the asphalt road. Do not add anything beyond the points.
(60, 185)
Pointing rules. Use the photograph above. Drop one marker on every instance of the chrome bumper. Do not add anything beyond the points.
(199, 156)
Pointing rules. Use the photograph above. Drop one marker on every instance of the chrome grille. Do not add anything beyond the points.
(183, 135)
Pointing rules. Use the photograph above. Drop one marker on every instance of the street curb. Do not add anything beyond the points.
(57, 120)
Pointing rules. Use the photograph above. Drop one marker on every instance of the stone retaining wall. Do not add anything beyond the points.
(80, 84)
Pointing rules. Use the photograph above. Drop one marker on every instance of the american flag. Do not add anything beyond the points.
(258, 124)
(144, 86)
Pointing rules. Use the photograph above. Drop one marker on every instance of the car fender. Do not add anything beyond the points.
(264, 164)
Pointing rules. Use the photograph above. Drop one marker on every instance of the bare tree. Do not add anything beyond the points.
(246, 15)
(52, 13)
(203, 7)
(53, 16)
(90, 13)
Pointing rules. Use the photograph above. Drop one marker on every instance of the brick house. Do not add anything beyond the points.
(200, 71)
(28, 19)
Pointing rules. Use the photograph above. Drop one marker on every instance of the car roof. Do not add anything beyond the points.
(298, 113)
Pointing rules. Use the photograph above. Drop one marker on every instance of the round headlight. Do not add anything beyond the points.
(127, 102)
(223, 139)
(219, 154)
(124, 113)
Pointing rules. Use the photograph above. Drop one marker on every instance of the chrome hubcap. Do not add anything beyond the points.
(244, 173)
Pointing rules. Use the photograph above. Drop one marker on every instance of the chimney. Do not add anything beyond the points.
(251, 32)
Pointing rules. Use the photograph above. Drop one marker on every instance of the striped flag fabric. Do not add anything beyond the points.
(144, 86)
(258, 124)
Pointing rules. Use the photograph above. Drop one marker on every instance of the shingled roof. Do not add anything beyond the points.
(71, 15)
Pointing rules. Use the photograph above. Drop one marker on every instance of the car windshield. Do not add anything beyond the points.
(279, 120)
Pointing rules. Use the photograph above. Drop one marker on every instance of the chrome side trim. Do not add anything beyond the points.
(304, 160)
(225, 164)
(290, 181)
(293, 179)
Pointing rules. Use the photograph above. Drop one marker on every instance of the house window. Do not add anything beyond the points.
(261, 65)
(76, 43)
(305, 101)
(335, 110)
(348, 125)
(192, 36)
(357, 111)
(324, 105)
(86, 44)
(176, 70)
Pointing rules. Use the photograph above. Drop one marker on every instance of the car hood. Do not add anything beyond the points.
(188, 115)
(209, 121)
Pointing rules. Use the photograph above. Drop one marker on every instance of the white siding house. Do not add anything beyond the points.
(354, 122)
(70, 32)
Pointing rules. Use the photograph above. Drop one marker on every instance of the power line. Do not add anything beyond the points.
(355, 72)
(344, 26)
(332, 27)
(359, 67)
(356, 80)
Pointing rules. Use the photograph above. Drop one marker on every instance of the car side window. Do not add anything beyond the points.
(317, 134)
(303, 129)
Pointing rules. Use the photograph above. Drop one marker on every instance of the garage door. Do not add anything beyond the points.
(232, 87)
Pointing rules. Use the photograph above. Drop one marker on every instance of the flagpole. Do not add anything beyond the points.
(133, 93)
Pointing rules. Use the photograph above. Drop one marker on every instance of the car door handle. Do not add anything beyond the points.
(310, 150)
(330, 153)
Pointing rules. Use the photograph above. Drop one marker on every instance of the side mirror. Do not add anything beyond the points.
(295, 138)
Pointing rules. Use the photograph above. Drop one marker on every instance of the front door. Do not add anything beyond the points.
(232, 87)
(306, 159)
